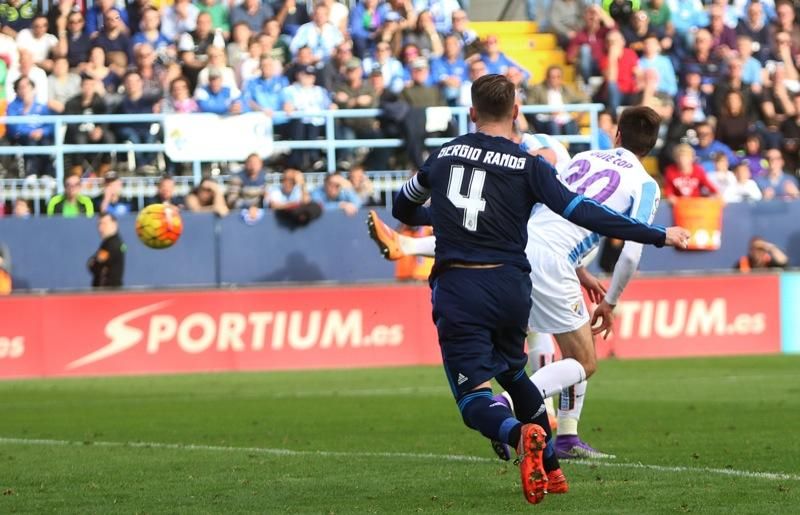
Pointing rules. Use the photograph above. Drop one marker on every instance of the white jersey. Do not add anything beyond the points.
(614, 178)
(532, 142)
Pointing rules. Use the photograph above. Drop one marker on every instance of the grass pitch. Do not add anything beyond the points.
(700, 436)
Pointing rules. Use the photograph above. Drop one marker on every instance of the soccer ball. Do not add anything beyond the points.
(159, 226)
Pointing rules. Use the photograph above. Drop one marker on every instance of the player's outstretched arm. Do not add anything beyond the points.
(596, 217)
(408, 203)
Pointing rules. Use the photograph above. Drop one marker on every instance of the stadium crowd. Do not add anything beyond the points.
(723, 75)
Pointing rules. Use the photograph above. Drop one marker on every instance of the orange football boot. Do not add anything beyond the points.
(531, 464)
(386, 238)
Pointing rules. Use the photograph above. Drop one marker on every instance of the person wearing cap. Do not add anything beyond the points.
(215, 97)
(110, 200)
(356, 93)
(450, 70)
(419, 93)
(305, 95)
(319, 34)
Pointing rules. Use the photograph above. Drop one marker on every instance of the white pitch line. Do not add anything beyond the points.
(405, 455)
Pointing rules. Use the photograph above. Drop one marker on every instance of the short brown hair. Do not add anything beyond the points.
(493, 97)
(638, 129)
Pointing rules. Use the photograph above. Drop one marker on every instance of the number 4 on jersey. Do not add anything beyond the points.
(472, 204)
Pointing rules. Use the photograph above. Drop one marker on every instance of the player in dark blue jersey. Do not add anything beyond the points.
(482, 189)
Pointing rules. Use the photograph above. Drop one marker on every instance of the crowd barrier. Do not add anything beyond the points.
(358, 326)
(51, 253)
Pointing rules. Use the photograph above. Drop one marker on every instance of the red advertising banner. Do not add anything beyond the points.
(696, 316)
(336, 327)
(269, 329)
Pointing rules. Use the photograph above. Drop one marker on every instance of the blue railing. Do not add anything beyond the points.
(329, 144)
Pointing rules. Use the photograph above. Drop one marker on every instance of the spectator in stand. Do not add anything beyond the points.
(496, 61)
(71, 203)
(698, 92)
(621, 11)
(785, 23)
(620, 68)
(554, 92)
(722, 177)
(608, 130)
(57, 15)
(219, 15)
(790, 132)
(31, 133)
(265, 93)
(734, 83)
(252, 12)
(409, 54)
(653, 60)
(292, 14)
(450, 70)
(62, 85)
(337, 193)
(207, 197)
(21, 208)
(709, 63)
(74, 41)
(248, 187)
(216, 61)
(302, 60)
(366, 22)
(110, 200)
(149, 33)
(686, 178)
(686, 16)
(113, 37)
(97, 69)
(156, 76)
(305, 95)
(566, 19)
(418, 93)
(356, 93)
(708, 147)
(291, 201)
(640, 29)
(193, 47)
(338, 14)
(392, 31)
(179, 99)
(38, 42)
(95, 19)
(425, 37)
(745, 188)
(390, 68)
(755, 26)
(250, 65)
(587, 48)
(761, 255)
(135, 11)
(660, 17)
(88, 101)
(238, 47)
(216, 97)
(754, 157)
(777, 184)
(134, 101)
(363, 187)
(320, 35)
(278, 47)
(751, 68)
(334, 72)
(733, 123)
(441, 10)
(477, 69)
(27, 68)
(179, 19)
(723, 37)
(468, 37)
(165, 193)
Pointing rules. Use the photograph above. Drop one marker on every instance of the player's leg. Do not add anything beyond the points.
(541, 352)
(394, 245)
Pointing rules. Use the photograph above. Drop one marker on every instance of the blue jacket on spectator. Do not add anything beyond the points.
(321, 44)
(266, 93)
(392, 71)
(94, 19)
(217, 103)
(705, 156)
(502, 64)
(358, 25)
(687, 14)
(160, 42)
(667, 82)
(345, 195)
(23, 130)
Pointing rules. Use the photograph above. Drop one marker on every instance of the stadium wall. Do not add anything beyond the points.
(51, 253)
(352, 326)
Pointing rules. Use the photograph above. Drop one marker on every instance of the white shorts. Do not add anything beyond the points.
(558, 303)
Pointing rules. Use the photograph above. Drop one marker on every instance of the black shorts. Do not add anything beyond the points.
(481, 316)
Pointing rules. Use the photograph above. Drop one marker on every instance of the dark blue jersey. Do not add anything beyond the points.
(482, 189)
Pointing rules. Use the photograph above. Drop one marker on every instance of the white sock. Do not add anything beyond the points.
(541, 352)
(569, 412)
(418, 246)
(556, 376)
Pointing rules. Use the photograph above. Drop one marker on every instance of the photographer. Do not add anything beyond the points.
(762, 255)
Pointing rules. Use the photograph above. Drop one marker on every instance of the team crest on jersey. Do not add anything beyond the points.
(577, 308)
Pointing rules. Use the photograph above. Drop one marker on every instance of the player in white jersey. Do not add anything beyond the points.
(541, 347)
(617, 180)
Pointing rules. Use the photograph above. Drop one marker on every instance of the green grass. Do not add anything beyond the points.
(741, 414)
